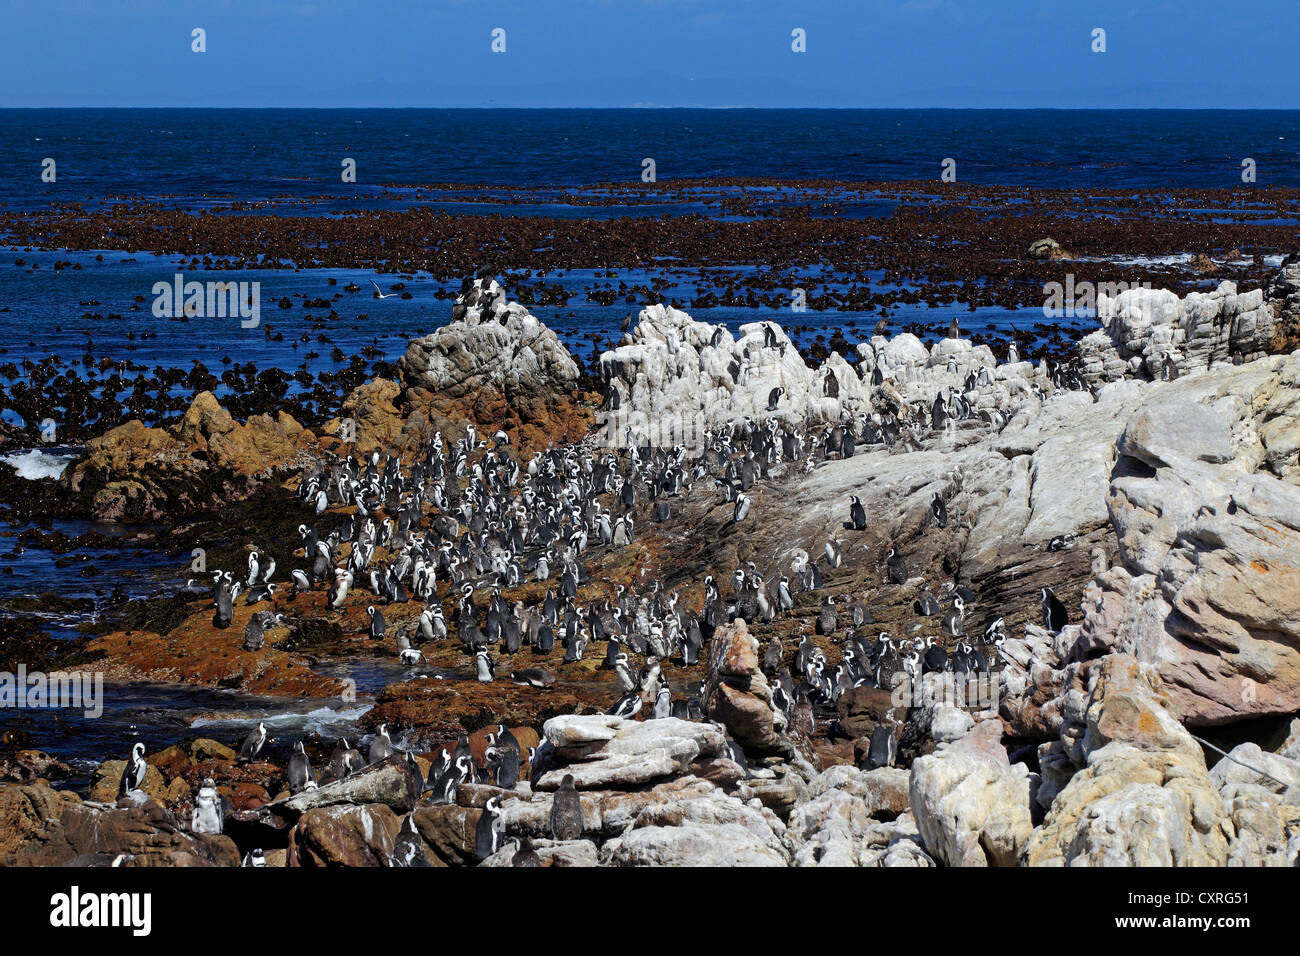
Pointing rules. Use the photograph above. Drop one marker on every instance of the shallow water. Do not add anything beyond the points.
(159, 715)
(49, 307)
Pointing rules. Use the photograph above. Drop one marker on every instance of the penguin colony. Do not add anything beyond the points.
(461, 521)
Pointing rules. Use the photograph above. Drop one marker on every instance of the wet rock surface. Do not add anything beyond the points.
(203, 461)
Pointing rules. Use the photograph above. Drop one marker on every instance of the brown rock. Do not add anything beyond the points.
(28, 766)
(206, 459)
(376, 422)
(861, 708)
(736, 693)
(177, 792)
(448, 833)
(25, 810)
(1047, 249)
(435, 712)
(149, 833)
(198, 653)
(204, 749)
(107, 778)
(344, 836)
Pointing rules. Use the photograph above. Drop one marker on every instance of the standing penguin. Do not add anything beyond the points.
(381, 748)
(772, 656)
(489, 830)
(503, 740)
(506, 751)
(884, 744)
(801, 715)
(408, 848)
(486, 669)
(377, 625)
(252, 744)
(952, 621)
(505, 766)
(1054, 614)
(939, 510)
(897, 567)
(208, 815)
(566, 821)
(663, 703)
(225, 606)
(254, 633)
(935, 659)
(857, 514)
(344, 759)
(299, 773)
(133, 773)
(525, 855)
(827, 619)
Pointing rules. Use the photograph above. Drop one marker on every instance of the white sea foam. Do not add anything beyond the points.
(322, 720)
(37, 463)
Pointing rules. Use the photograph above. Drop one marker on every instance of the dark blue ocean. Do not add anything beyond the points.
(192, 154)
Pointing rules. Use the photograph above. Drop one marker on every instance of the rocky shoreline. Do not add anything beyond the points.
(1150, 483)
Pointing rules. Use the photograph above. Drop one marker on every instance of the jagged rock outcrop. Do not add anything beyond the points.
(391, 784)
(1201, 498)
(497, 365)
(1283, 294)
(736, 692)
(677, 377)
(836, 823)
(1141, 327)
(26, 810)
(1207, 515)
(344, 836)
(55, 828)
(603, 752)
(206, 459)
(1134, 788)
(371, 417)
(642, 800)
(971, 805)
(1008, 494)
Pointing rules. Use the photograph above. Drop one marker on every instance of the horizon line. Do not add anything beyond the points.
(1007, 109)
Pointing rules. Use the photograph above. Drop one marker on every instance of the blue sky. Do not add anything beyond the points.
(560, 53)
